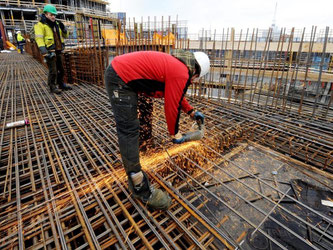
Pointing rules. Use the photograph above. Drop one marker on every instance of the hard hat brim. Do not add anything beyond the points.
(203, 61)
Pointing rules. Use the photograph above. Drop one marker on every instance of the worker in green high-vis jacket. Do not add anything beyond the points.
(49, 35)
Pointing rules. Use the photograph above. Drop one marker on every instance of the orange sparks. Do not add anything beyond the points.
(153, 160)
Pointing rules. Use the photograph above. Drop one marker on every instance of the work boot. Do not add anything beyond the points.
(139, 185)
(55, 91)
(65, 87)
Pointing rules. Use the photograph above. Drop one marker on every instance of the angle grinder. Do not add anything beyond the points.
(197, 134)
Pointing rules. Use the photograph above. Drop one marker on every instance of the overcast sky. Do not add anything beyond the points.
(218, 14)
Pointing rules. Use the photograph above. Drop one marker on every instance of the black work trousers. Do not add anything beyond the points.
(56, 71)
(124, 102)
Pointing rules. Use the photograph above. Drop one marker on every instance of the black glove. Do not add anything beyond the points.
(43, 50)
(62, 26)
(199, 116)
(50, 55)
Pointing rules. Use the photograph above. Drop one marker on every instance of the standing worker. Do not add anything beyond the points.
(49, 35)
(155, 74)
(20, 41)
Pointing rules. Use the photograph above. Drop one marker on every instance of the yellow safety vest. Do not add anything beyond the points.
(44, 35)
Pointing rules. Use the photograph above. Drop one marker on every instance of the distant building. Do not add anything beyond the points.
(17, 15)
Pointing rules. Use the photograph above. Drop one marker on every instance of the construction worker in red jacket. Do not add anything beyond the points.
(155, 74)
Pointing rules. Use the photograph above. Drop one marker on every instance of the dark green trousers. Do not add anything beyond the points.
(56, 71)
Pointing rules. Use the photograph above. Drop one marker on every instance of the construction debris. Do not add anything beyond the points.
(17, 123)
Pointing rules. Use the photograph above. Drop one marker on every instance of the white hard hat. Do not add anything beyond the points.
(203, 61)
(17, 32)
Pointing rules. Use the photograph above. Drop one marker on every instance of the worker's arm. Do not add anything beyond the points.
(174, 101)
(186, 107)
(39, 37)
(175, 89)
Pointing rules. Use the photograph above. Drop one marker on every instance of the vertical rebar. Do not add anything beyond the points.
(320, 70)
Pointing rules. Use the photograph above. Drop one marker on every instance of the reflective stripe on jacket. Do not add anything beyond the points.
(44, 35)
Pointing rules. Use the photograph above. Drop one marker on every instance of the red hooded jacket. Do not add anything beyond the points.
(157, 75)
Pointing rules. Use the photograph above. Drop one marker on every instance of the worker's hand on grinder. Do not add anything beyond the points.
(198, 116)
(181, 138)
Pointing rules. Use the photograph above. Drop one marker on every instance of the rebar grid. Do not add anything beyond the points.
(63, 176)
(62, 184)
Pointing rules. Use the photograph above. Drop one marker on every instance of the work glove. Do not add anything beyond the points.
(50, 55)
(62, 26)
(198, 116)
(43, 50)
(178, 138)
